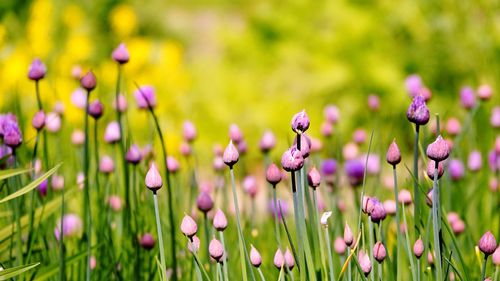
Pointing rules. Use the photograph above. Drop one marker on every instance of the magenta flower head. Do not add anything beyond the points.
(72, 226)
(172, 164)
(331, 113)
(189, 131)
(313, 178)
(147, 241)
(37, 70)
(279, 259)
(484, 92)
(456, 169)
(364, 262)
(88, 81)
(231, 155)
(12, 136)
(204, 202)
(379, 252)
(188, 226)
(414, 84)
(267, 142)
(112, 133)
(475, 161)
(220, 220)
(348, 237)
(300, 122)
(487, 244)
(38, 121)
(438, 150)
(133, 155)
(467, 98)
(96, 109)
(106, 165)
(43, 188)
(431, 166)
(418, 112)
(329, 167)
(355, 171)
(216, 250)
(373, 102)
(255, 258)
(153, 179)
(289, 260)
(120, 54)
(145, 97)
(393, 155)
(418, 248)
(378, 213)
(273, 174)
(292, 160)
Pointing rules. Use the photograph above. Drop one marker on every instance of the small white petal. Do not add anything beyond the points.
(325, 217)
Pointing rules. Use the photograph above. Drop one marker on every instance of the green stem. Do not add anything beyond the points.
(88, 223)
(372, 260)
(436, 222)
(241, 238)
(318, 230)
(329, 250)
(62, 265)
(416, 192)
(160, 236)
(483, 271)
(398, 232)
(261, 275)
(418, 269)
(224, 268)
(296, 213)
(276, 219)
(496, 273)
(408, 248)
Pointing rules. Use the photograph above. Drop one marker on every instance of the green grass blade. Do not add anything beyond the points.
(15, 271)
(12, 172)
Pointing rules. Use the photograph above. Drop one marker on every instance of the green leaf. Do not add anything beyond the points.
(15, 271)
(30, 186)
(12, 172)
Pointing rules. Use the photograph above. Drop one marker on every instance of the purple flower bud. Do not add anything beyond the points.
(329, 167)
(305, 145)
(37, 70)
(250, 186)
(242, 147)
(364, 262)
(216, 250)
(331, 114)
(194, 244)
(487, 244)
(373, 164)
(475, 161)
(12, 135)
(255, 257)
(484, 92)
(147, 241)
(112, 133)
(393, 155)
(218, 164)
(153, 179)
(355, 171)
(339, 246)
(43, 187)
(106, 165)
(414, 84)
(96, 109)
(379, 252)
(390, 207)
(378, 213)
(289, 260)
(185, 149)
(273, 174)
(300, 122)
(133, 155)
(71, 224)
(326, 129)
(122, 105)
(235, 133)
(373, 102)
(279, 259)
(53, 122)
(313, 178)
(220, 220)
(453, 126)
(431, 166)
(495, 117)
(359, 136)
(120, 54)
(496, 257)
(292, 160)
(115, 202)
(231, 155)
(418, 248)
(188, 226)
(267, 142)
(456, 169)
(204, 202)
(88, 81)
(467, 97)
(189, 131)
(38, 121)
(348, 237)
(418, 112)
(145, 97)
(458, 227)
(438, 150)
(404, 197)
(172, 164)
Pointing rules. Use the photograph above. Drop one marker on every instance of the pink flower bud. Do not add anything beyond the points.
(438, 150)
(279, 259)
(112, 133)
(76, 72)
(273, 174)
(484, 92)
(106, 165)
(267, 142)
(359, 136)
(418, 112)
(350, 151)
(216, 250)
(88, 81)
(96, 109)
(418, 248)
(121, 54)
(220, 220)
(467, 98)
(153, 179)
(475, 161)
(495, 117)
(431, 166)
(147, 241)
(378, 213)
(289, 260)
(57, 182)
(390, 207)
(185, 149)
(393, 155)
(189, 131)
(218, 164)
(145, 97)
(453, 127)
(404, 197)
(255, 257)
(339, 245)
(194, 244)
(71, 225)
(364, 262)
(235, 133)
(250, 186)
(231, 155)
(413, 84)
(487, 244)
(331, 114)
(456, 169)
(122, 105)
(326, 129)
(115, 203)
(348, 237)
(38, 121)
(172, 164)
(313, 178)
(204, 202)
(188, 226)
(300, 122)
(77, 137)
(292, 160)
(458, 227)
(379, 252)
(53, 122)
(133, 155)
(496, 257)
(373, 102)
(37, 70)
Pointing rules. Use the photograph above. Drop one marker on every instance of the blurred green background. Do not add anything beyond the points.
(254, 63)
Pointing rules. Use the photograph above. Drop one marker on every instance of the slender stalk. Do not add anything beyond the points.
(241, 238)
(398, 232)
(32, 213)
(380, 271)
(261, 275)
(483, 271)
(329, 250)
(496, 273)
(62, 265)
(418, 269)
(86, 202)
(160, 237)
(318, 230)
(408, 247)
(221, 236)
(372, 259)
(276, 219)
(416, 192)
(436, 222)
(300, 247)
(349, 271)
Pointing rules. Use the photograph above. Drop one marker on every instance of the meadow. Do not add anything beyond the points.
(249, 141)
